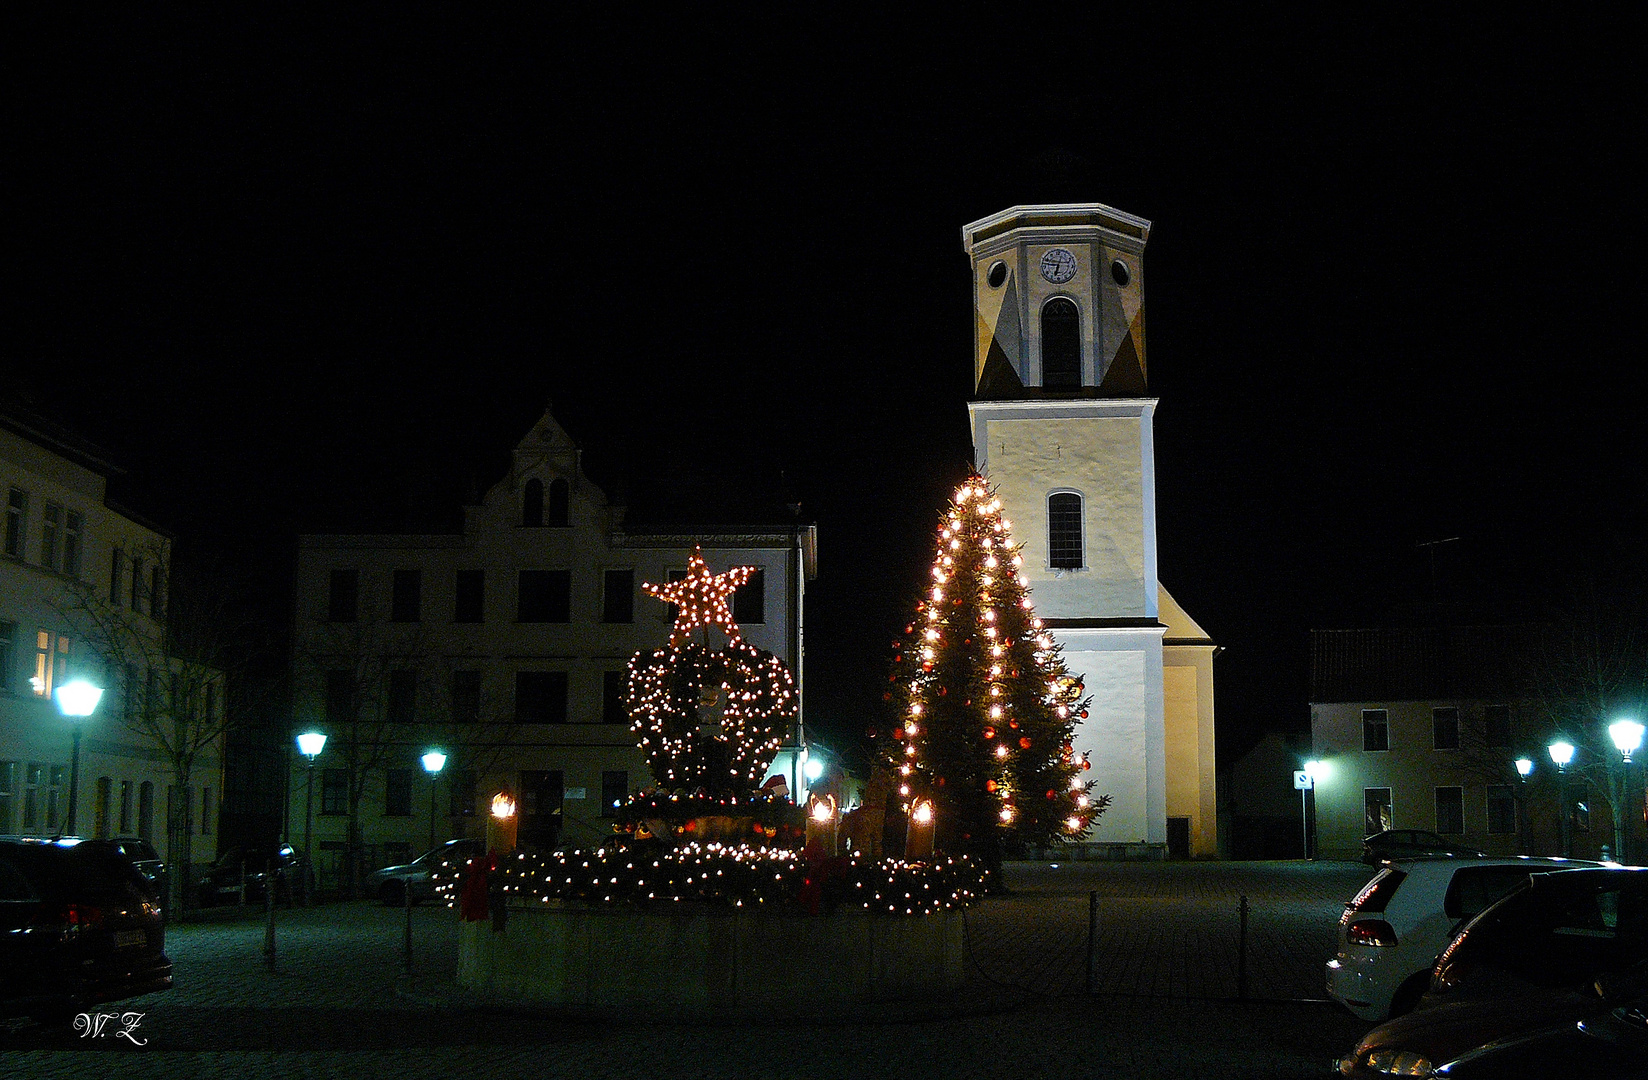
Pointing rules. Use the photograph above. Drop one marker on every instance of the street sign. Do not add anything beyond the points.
(1301, 780)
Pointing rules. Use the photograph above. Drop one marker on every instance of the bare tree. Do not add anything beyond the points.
(172, 647)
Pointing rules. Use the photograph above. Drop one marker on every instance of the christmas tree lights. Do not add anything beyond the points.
(983, 709)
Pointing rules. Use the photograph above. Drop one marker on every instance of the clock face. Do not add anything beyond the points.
(1058, 265)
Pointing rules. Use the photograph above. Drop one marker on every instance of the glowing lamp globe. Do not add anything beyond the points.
(311, 743)
(78, 698)
(434, 762)
(1524, 766)
(1627, 736)
(814, 768)
(1562, 752)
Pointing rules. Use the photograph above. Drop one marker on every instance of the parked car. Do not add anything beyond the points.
(1408, 843)
(1393, 930)
(1610, 1046)
(222, 882)
(77, 929)
(1567, 947)
(143, 856)
(392, 883)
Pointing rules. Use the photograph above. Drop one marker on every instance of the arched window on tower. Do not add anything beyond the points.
(557, 511)
(1064, 531)
(532, 504)
(1060, 344)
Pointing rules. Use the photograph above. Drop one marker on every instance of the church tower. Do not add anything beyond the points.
(1062, 426)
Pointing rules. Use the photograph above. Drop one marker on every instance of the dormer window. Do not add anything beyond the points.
(1060, 344)
(532, 504)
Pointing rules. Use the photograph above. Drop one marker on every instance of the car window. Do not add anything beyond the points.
(1376, 894)
(1563, 933)
(1475, 888)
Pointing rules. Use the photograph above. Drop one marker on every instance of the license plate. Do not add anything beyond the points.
(125, 938)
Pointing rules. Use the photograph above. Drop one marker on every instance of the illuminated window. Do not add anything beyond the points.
(1064, 531)
(51, 662)
(1060, 344)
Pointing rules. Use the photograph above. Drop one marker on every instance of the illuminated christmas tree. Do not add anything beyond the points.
(983, 710)
(708, 719)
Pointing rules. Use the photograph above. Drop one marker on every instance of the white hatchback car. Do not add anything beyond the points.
(1393, 930)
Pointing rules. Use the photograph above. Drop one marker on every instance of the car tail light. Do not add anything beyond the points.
(74, 917)
(1370, 932)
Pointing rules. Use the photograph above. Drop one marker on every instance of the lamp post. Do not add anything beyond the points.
(1524, 766)
(1561, 753)
(310, 744)
(76, 700)
(1627, 736)
(433, 762)
(1313, 770)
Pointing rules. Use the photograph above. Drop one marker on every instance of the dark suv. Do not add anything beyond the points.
(78, 927)
(247, 867)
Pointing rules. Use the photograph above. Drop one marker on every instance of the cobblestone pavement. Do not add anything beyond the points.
(340, 1004)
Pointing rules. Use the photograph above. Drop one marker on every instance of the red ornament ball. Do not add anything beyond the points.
(1024, 744)
(989, 785)
(989, 733)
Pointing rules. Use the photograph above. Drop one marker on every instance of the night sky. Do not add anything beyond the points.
(322, 275)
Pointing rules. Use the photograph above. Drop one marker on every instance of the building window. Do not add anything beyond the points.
(403, 697)
(541, 697)
(334, 792)
(1496, 720)
(470, 591)
(137, 584)
(51, 522)
(1064, 531)
(100, 806)
(1450, 810)
(614, 790)
(116, 561)
(397, 793)
(406, 596)
(749, 600)
(466, 697)
(618, 596)
(17, 521)
(343, 596)
(612, 698)
(1375, 729)
(544, 596)
(125, 807)
(145, 811)
(1579, 807)
(8, 797)
(73, 542)
(1501, 809)
(8, 656)
(55, 801)
(340, 697)
(1445, 728)
(532, 504)
(207, 810)
(555, 514)
(1376, 810)
(51, 662)
(1060, 344)
(157, 593)
(460, 793)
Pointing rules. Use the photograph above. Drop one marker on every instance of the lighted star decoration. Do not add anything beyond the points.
(701, 599)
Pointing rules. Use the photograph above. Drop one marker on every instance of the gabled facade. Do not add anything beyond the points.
(506, 646)
(78, 579)
(1062, 427)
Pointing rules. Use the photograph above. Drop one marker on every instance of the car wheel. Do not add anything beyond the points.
(1408, 994)
(393, 893)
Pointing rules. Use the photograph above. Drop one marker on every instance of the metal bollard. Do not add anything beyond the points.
(1241, 955)
(406, 901)
(1092, 940)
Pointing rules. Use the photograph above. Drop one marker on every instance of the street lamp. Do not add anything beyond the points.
(310, 744)
(76, 700)
(1627, 736)
(1561, 753)
(1524, 767)
(1313, 770)
(433, 762)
